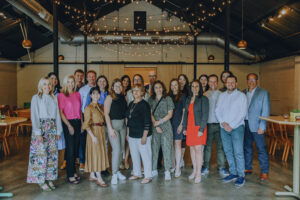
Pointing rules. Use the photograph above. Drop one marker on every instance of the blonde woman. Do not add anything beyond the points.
(69, 102)
(46, 129)
(114, 109)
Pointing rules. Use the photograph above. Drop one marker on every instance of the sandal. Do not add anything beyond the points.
(76, 177)
(51, 185)
(93, 179)
(134, 177)
(102, 183)
(45, 187)
(75, 181)
(146, 180)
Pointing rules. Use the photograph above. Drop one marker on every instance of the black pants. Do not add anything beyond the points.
(72, 145)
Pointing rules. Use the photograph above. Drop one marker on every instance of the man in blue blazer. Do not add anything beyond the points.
(258, 105)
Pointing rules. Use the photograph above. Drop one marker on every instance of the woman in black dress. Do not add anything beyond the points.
(176, 121)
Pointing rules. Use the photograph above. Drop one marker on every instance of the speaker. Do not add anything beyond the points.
(140, 20)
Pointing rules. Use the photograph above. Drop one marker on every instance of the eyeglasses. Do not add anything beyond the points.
(252, 80)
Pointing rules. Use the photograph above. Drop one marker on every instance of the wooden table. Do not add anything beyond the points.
(7, 122)
(280, 120)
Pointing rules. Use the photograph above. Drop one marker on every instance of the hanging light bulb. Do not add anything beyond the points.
(242, 44)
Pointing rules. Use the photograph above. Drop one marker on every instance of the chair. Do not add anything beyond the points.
(278, 141)
(288, 137)
(24, 124)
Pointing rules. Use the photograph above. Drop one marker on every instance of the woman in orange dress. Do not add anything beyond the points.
(194, 126)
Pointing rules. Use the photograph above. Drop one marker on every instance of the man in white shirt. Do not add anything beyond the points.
(213, 129)
(84, 91)
(258, 105)
(231, 111)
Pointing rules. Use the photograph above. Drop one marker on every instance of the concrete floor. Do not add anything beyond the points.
(13, 170)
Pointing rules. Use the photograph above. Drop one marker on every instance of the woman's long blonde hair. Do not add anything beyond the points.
(40, 86)
(65, 84)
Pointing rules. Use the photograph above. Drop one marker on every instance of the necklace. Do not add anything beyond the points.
(132, 109)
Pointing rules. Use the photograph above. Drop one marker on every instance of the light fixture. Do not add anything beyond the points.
(242, 44)
(27, 44)
(61, 57)
(211, 58)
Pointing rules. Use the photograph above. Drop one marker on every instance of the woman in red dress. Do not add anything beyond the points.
(195, 120)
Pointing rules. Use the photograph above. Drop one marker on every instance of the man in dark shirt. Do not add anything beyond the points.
(79, 74)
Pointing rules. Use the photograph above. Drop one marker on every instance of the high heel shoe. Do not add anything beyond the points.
(102, 183)
(51, 185)
(177, 175)
(192, 176)
(45, 187)
(197, 180)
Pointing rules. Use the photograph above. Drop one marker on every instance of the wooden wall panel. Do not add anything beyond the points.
(8, 84)
(278, 77)
(166, 73)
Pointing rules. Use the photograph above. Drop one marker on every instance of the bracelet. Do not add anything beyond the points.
(161, 121)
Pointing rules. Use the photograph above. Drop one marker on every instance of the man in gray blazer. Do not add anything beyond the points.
(258, 105)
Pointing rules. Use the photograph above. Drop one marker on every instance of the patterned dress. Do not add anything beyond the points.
(165, 139)
(43, 157)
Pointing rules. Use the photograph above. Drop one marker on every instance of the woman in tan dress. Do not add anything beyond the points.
(96, 153)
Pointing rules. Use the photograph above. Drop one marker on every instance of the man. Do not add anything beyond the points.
(223, 78)
(78, 79)
(231, 111)
(213, 129)
(258, 105)
(84, 92)
(152, 79)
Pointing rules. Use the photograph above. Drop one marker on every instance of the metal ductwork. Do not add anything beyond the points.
(152, 38)
(40, 15)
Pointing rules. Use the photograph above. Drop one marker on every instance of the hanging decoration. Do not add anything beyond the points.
(242, 44)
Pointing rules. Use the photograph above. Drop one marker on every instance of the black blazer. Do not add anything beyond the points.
(201, 110)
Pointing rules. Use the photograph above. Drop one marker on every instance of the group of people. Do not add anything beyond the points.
(156, 123)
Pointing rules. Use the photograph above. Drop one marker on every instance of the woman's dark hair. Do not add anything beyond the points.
(57, 87)
(200, 86)
(107, 85)
(143, 82)
(94, 89)
(179, 93)
(164, 92)
(185, 89)
(129, 82)
(204, 75)
(225, 71)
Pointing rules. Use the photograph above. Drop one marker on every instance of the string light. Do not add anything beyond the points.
(276, 16)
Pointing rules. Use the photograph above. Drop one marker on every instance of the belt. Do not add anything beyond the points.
(97, 124)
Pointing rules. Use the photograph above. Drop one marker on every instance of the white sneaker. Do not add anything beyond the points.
(154, 173)
(114, 179)
(167, 176)
(121, 176)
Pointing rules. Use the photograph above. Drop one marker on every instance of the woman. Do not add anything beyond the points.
(55, 83)
(176, 121)
(115, 107)
(161, 112)
(184, 88)
(139, 134)
(102, 84)
(96, 153)
(126, 83)
(137, 79)
(183, 84)
(194, 127)
(46, 130)
(203, 78)
(69, 102)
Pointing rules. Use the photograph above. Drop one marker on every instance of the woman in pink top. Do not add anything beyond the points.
(69, 103)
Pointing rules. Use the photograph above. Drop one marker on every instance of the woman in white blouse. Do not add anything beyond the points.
(46, 130)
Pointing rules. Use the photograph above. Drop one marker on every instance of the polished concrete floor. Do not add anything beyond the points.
(13, 170)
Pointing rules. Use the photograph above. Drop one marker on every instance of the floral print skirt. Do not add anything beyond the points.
(43, 156)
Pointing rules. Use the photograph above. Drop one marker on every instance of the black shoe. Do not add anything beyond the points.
(105, 173)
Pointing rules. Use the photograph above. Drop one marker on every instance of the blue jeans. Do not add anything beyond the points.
(260, 143)
(82, 144)
(233, 144)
